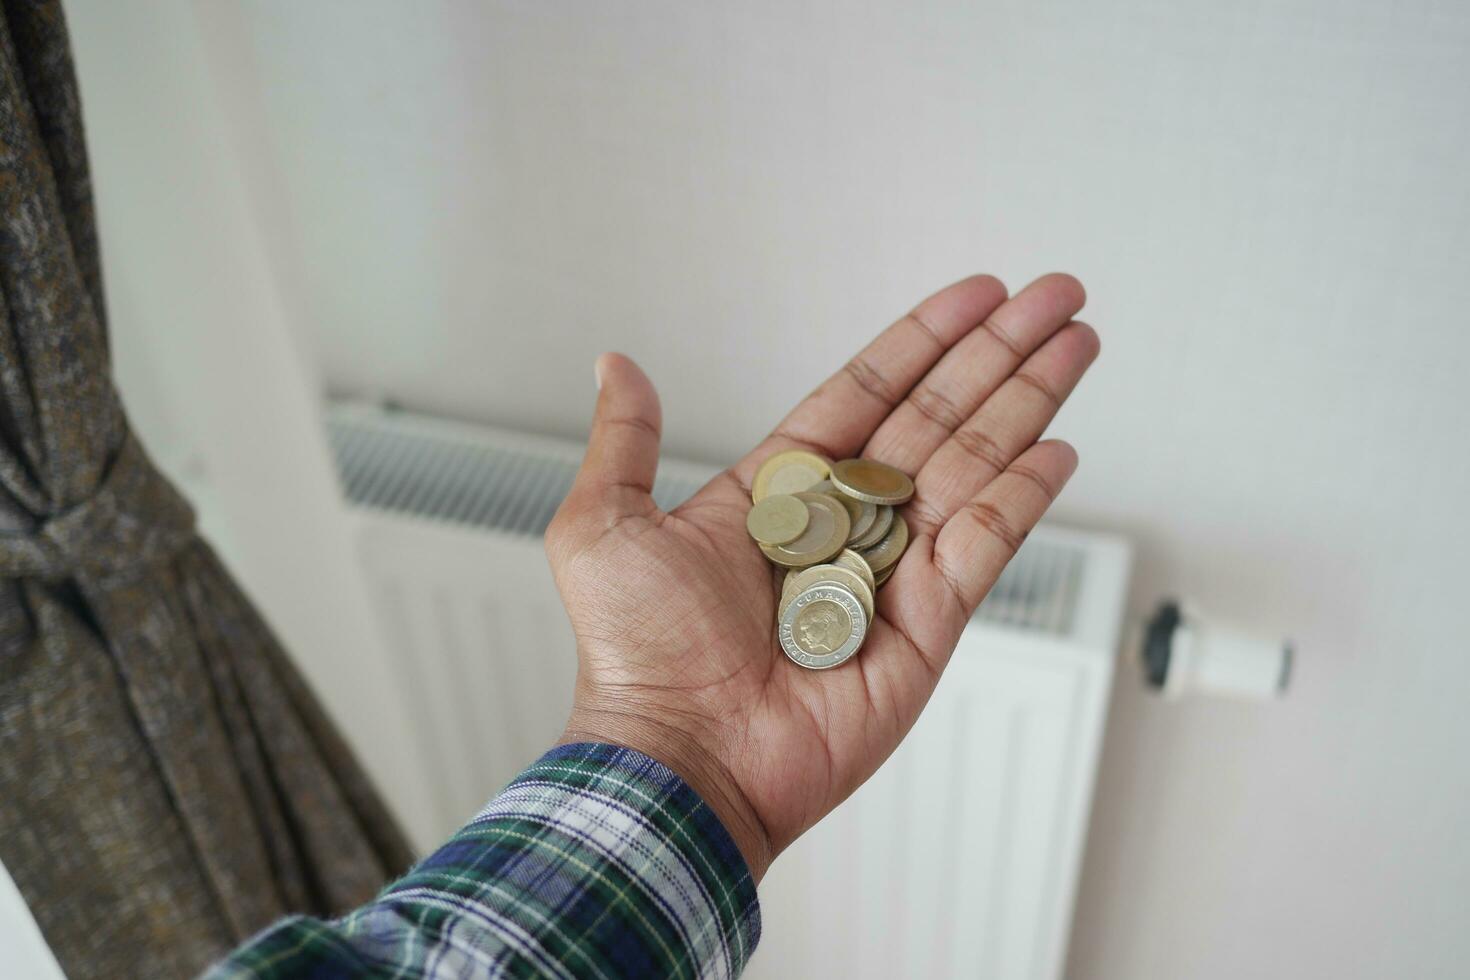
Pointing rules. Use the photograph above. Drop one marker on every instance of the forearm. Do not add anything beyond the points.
(595, 861)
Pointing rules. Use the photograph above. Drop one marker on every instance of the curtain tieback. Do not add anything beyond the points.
(134, 519)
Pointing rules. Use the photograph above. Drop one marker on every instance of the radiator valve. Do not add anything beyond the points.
(1185, 652)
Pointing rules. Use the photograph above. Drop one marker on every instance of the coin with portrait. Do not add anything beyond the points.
(835, 575)
(822, 627)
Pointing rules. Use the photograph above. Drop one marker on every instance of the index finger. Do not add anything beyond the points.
(843, 412)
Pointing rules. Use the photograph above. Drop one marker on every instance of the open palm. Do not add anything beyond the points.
(674, 612)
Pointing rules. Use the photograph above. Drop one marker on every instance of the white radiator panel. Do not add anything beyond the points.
(958, 859)
(485, 655)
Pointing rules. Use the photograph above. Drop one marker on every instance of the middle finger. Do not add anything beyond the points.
(1002, 428)
(972, 369)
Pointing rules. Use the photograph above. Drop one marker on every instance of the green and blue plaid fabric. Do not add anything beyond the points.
(596, 861)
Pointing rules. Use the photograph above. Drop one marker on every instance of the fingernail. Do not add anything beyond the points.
(597, 372)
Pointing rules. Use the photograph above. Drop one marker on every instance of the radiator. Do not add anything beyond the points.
(958, 859)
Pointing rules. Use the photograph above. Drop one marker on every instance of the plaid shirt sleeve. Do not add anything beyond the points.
(596, 861)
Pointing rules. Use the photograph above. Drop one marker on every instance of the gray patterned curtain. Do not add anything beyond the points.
(167, 783)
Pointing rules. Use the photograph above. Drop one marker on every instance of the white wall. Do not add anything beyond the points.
(465, 202)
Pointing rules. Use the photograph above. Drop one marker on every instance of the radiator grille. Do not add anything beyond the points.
(440, 471)
(410, 469)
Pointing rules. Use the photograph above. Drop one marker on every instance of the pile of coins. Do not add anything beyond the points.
(834, 528)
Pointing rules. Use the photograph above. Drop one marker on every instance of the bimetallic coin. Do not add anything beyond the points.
(825, 534)
(828, 574)
(854, 562)
(870, 480)
(822, 627)
(850, 544)
(787, 593)
(852, 505)
(886, 553)
(777, 519)
(882, 521)
(867, 513)
(793, 471)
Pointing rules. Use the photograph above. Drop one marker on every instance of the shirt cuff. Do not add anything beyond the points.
(595, 861)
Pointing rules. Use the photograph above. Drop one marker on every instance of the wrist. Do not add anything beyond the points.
(689, 756)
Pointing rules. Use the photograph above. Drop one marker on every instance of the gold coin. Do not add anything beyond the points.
(854, 562)
(885, 575)
(792, 471)
(886, 553)
(870, 480)
(834, 575)
(786, 594)
(846, 559)
(777, 519)
(862, 513)
(882, 521)
(852, 505)
(825, 534)
(863, 522)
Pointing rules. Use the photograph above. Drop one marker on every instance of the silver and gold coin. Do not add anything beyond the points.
(867, 516)
(778, 519)
(886, 553)
(882, 522)
(870, 480)
(822, 627)
(856, 509)
(825, 534)
(859, 583)
(854, 562)
(860, 512)
(792, 471)
(828, 574)
(834, 528)
(853, 507)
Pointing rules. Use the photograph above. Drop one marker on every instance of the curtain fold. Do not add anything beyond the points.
(168, 785)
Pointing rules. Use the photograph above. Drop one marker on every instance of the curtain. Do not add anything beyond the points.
(168, 785)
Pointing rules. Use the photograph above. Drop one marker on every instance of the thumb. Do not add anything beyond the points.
(622, 451)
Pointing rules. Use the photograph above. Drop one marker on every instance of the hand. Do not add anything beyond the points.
(674, 612)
